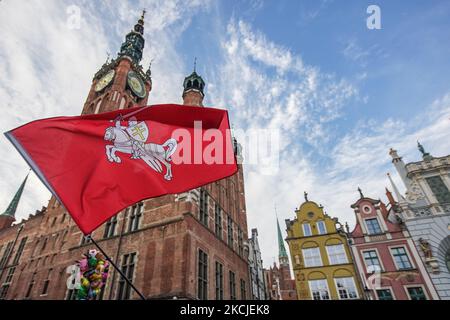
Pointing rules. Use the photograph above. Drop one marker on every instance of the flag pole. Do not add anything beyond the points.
(117, 268)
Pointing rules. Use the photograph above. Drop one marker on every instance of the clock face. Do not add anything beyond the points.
(104, 81)
(136, 84)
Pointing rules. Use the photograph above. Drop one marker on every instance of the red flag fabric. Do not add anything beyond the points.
(98, 165)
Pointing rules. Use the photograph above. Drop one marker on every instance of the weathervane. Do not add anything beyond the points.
(360, 192)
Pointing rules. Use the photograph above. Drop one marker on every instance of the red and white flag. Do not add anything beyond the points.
(98, 165)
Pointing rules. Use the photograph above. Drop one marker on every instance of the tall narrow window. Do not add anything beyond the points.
(218, 221)
(46, 283)
(7, 283)
(321, 227)
(372, 261)
(219, 281)
(346, 288)
(128, 265)
(232, 285)
(203, 215)
(312, 257)
(230, 231)
(337, 254)
(202, 280)
(307, 230)
(401, 258)
(319, 289)
(20, 250)
(135, 216)
(44, 245)
(240, 242)
(30, 286)
(373, 227)
(110, 227)
(6, 254)
(243, 290)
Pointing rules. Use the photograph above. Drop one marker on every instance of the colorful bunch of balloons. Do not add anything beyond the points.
(93, 274)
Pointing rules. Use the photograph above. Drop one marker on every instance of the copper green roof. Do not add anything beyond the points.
(281, 248)
(11, 210)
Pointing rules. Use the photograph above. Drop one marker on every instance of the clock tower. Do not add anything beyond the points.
(121, 82)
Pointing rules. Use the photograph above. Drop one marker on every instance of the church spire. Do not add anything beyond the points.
(134, 42)
(11, 210)
(282, 254)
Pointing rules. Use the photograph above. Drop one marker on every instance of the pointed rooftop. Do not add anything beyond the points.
(12, 208)
(281, 248)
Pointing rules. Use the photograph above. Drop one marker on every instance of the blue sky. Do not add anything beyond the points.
(340, 94)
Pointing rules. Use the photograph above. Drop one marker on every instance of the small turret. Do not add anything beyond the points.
(401, 167)
(193, 92)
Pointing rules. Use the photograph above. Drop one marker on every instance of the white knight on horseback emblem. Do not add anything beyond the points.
(132, 139)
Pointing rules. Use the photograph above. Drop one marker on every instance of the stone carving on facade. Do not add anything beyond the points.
(428, 254)
(414, 193)
(422, 212)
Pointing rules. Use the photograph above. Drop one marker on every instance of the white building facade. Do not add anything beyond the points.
(425, 209)
(255, 265)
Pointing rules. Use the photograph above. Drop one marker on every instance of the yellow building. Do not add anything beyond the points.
(322, 262)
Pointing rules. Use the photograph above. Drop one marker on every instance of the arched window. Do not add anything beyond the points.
(104, 103)
(97, 107)
(196, 85)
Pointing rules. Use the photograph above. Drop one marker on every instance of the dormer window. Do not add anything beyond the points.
(321, 227)
(307, 230)
(373, 226)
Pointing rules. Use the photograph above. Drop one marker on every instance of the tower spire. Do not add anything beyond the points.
(282, 254)
(12, 208)
(134, 42)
